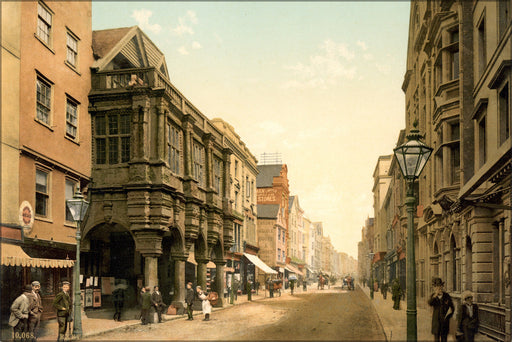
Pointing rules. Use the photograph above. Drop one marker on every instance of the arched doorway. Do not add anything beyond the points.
(108, 259)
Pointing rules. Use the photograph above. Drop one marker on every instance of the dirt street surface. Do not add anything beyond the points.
(324, 315)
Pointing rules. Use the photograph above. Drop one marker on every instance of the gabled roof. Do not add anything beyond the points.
(129, 45)
(267, 173)
(268, 211)
(104, 40)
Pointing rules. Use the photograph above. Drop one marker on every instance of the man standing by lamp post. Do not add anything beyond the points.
(78, 207)
(412, 157)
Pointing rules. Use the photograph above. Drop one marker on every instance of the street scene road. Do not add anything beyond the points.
(318, 315)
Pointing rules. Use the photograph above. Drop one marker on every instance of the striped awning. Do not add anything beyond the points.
(13, 255)
(293, 269)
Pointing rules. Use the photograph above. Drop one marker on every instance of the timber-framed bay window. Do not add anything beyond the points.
(174, 139)
(112, 138)
(198, 162)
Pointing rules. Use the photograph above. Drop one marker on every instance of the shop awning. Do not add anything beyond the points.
(13, 255)
(211, 264)
(293, 269)
(259, 263)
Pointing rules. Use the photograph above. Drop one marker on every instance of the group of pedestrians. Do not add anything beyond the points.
(151, 300)
(26, 311)
(154, 300)
(443, 310)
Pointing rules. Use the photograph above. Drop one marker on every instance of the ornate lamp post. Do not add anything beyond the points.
(78, 207)
(412, 157)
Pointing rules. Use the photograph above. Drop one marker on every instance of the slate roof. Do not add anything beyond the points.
(267, 173)
(268, 211)
(104, 40)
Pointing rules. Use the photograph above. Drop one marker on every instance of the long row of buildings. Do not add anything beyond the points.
(458, 87)
(174, 196)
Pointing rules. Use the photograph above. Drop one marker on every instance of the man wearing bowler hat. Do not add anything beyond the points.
(443, 307)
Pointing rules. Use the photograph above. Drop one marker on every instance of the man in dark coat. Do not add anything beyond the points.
(157, 302)
(443, 307)
(62, 303)
(396, 292)
(36, 309)
(189, 299)
(118, 299)
(145, 305)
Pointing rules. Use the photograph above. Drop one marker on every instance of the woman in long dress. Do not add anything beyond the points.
(207, 307)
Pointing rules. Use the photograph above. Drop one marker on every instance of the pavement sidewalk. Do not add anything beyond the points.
(96, 322)
(394, 322)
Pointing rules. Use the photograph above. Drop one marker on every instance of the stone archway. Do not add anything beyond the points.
(109, 253)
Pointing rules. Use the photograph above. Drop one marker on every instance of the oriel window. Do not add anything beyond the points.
(112, 138)
(217, 174)
(198, 153)
(174, 148)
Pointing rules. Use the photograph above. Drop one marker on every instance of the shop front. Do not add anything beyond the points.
(18, 269)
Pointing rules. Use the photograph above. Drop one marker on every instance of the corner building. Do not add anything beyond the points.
(160, 207)
(46, 142)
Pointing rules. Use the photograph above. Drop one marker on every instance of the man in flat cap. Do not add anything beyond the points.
(443, 307)
(62, 303)
(19, 315)
(36, 309)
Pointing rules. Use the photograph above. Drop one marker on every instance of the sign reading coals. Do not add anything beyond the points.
(26, 216)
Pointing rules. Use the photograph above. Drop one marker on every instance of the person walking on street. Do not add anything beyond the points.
(384, 290)
(62, 303)
(396, 292)
(443, 310)
(36, 309)
(468, 317)
(158, 303)
(189, 299)
(145, 305)
(118, 299)
(292, 286)
(207, 307)
(236, 285)
(19, 314)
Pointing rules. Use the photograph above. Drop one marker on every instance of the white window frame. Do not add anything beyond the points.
(68, 196)
(72, 120)
(72, 49)
(45, 193)
(44, 21)
(43, 105)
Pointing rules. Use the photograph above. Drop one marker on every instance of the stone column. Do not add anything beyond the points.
(187, 126)
(226, 162)
(208, 147)
(219, 281)
(201, 272)
(150, 270)
(179, 284)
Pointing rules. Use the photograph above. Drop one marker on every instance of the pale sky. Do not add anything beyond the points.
(317, 82)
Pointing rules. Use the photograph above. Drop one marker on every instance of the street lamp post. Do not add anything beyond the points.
(78, 207)
(412, 157)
